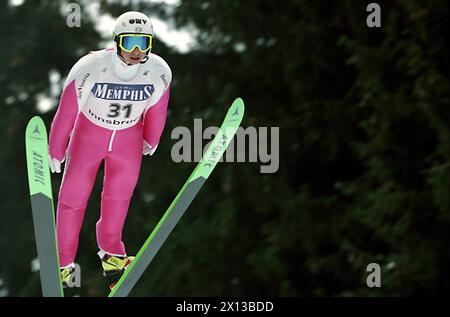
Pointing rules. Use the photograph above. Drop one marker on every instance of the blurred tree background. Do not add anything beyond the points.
(364, 147)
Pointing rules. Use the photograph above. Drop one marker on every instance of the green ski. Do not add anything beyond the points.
(182, 201)
(42, 207)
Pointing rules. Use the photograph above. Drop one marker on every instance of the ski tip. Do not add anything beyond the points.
(238, 107)
(239, 101)
(36, 120)
(35, 131)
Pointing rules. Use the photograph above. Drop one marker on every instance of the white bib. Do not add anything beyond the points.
(108, 100)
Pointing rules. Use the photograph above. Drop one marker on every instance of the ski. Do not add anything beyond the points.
(182, 201)
(36, 145)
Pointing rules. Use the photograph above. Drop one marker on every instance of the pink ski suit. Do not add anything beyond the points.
(109, 110)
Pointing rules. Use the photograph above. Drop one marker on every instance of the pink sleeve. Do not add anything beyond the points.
(63, 122)
(155, 119)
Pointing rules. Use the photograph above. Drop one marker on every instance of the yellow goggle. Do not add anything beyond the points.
(128, 42)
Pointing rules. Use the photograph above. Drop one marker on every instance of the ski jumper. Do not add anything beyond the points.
(108, 110)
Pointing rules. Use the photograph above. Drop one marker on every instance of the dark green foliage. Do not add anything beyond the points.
(364, 149)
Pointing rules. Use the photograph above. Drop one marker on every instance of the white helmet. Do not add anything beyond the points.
(133, 22)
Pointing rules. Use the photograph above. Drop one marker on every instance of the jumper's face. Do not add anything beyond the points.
(133, 57)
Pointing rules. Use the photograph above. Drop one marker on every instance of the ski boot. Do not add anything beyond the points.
(114, 266)
(65, 274)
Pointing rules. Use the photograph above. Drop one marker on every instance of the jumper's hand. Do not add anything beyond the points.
(148, 149)
(55, 164)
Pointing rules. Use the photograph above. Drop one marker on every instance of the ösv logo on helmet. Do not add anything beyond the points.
(137, 21)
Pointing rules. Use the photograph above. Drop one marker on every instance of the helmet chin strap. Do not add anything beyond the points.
(145, 59)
